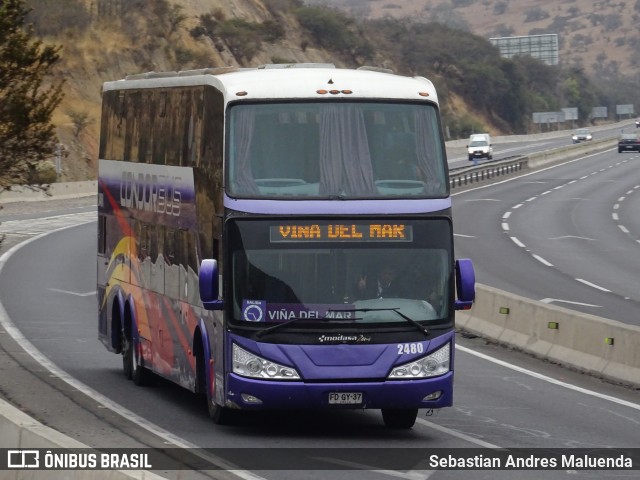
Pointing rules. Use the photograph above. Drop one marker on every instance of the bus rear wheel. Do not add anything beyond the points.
(127, 354)
(139, 374)
(132, 369)
(399, 418)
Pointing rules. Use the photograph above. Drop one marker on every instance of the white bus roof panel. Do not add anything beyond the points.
(291, 83)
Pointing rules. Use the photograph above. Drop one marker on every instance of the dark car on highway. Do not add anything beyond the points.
(581, 135)
(628, 141)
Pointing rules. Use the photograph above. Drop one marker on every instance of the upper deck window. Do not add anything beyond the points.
(329, 150)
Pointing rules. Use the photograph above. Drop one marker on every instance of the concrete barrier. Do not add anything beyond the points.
(588, 343)
(570, 152)
(37, 193)
(20, 431)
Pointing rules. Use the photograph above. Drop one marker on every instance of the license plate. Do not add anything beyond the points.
(345, 398)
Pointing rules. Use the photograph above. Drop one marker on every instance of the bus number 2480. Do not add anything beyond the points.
(405, 348)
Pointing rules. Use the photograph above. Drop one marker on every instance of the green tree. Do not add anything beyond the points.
(26, 103)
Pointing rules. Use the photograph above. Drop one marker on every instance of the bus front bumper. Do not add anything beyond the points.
(254, 394)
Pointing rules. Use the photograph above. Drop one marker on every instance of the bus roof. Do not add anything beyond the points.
(289, 81)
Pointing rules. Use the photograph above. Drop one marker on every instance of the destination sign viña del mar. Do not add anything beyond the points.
(370, 232)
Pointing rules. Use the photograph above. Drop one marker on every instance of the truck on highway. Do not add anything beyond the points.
(479, 147)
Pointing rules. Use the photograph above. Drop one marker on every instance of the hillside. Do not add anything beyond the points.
(600, 36)
(122, 41)
(105, 40)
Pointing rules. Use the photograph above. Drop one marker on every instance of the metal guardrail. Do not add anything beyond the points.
(468, 175)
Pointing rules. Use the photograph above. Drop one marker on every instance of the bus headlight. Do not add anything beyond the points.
(249, 365)
(438, 363)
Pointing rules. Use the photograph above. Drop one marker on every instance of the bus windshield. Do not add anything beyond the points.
(341, 272)
(336, 150)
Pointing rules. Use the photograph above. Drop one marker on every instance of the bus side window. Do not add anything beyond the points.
(102, 234)
(170, 246)
(145, 240)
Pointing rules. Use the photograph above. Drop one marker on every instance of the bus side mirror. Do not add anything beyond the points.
(465, 284)
(208, 284)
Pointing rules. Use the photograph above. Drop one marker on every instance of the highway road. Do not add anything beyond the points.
(505, 147)
(549, 235)
(567, 234)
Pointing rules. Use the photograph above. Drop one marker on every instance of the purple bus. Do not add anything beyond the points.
(280, 238)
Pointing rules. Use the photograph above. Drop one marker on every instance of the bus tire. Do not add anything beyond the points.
(127, 354)
(399, 418)
(219, 414)
(139, 374)
(130, 364)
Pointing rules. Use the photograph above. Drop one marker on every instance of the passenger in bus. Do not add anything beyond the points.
(385, 284)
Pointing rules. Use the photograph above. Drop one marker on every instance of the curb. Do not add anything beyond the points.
(19, 431)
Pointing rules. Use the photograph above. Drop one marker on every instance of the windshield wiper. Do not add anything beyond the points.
(267, 330)
(420, 327)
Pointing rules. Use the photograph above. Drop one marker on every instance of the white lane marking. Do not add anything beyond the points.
(547, 379)
(593, 285)
(557, 300)
(35, 226)
(518, 242)
(542, 260)
(505, 226)
(623, 228)
(412, 475)
(506, 215)
(572, 236)
(68, 292)
(455, 433)
(463, 236)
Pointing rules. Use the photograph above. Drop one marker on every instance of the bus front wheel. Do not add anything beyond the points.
(219, 414)
(399, 418)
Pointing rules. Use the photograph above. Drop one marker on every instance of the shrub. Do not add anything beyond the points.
(44, 173)
(52, 17)
(333, 31)
(535, 14)
(500, 8)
